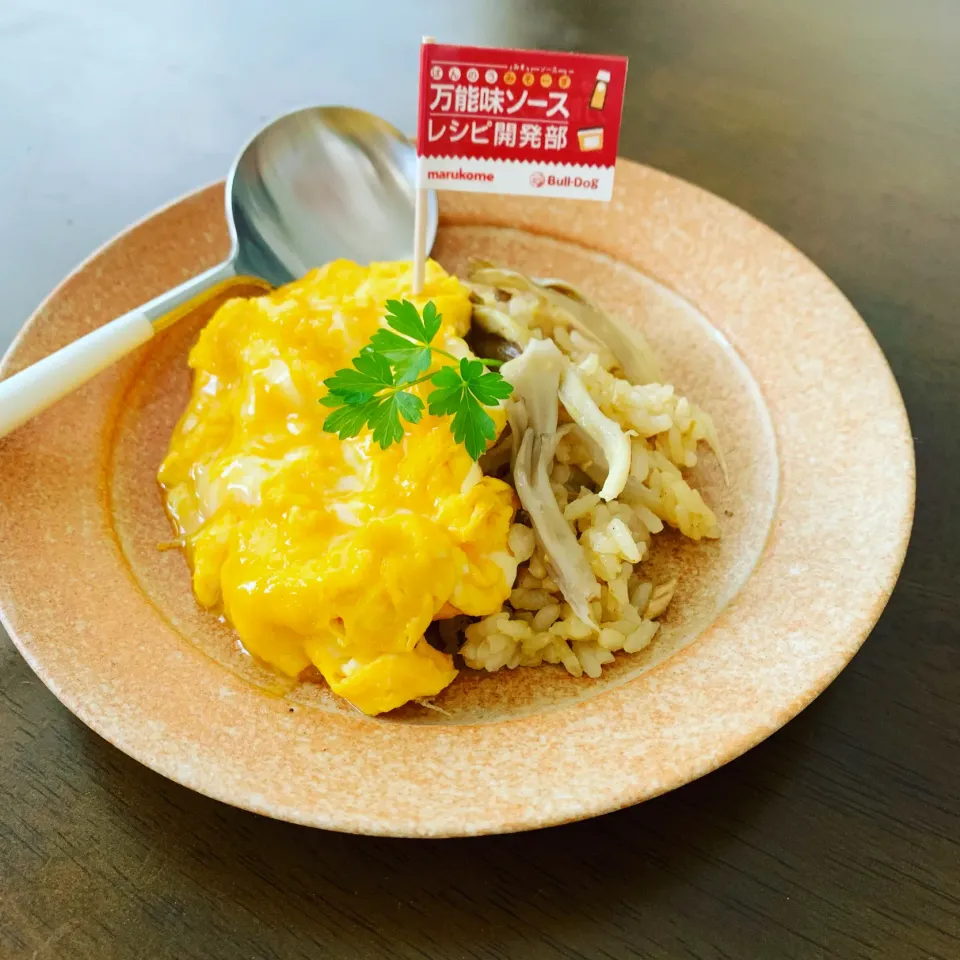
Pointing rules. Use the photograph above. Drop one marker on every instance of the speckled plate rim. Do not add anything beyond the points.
(838, 540)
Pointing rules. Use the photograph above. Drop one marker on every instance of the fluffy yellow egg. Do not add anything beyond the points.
(321, 551)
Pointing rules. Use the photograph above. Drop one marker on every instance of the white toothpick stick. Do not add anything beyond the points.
(419, 236)
(420, 223)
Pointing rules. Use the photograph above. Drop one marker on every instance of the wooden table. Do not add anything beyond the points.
(835, 121)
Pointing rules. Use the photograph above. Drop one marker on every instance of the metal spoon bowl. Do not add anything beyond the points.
(314, 185)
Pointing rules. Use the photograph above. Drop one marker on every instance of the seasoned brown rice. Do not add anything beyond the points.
(536, 625)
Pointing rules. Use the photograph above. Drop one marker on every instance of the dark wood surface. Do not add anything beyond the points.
(835, 121)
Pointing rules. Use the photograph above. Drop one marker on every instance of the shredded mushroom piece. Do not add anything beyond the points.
(598, 469)
(535, 377)
(533, 411)
(607, 434)
(566, 558)
(547, 304)
(634, 355)
(501, 324)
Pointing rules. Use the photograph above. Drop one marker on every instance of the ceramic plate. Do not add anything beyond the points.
(816, 517)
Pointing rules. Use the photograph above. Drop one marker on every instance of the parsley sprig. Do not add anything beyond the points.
(375, 392)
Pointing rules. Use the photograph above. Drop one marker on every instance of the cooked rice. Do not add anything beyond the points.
(536, 625)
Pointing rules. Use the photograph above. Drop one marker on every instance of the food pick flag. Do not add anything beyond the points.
(519, 121)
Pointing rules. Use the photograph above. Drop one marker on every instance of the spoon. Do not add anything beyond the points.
(314, 185)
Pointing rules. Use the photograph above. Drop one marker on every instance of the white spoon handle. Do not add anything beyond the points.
(31, 391)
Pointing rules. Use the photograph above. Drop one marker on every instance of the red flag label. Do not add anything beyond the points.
(519, 121)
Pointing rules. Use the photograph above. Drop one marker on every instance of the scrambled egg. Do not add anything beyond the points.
(320, 551)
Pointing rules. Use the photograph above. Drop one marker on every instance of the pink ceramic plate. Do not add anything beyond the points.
(816, 519)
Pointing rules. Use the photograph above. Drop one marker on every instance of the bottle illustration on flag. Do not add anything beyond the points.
(591, 138)
(530, 122)
(599, 96)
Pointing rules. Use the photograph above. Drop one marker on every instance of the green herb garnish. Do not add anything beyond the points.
(375, 392)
